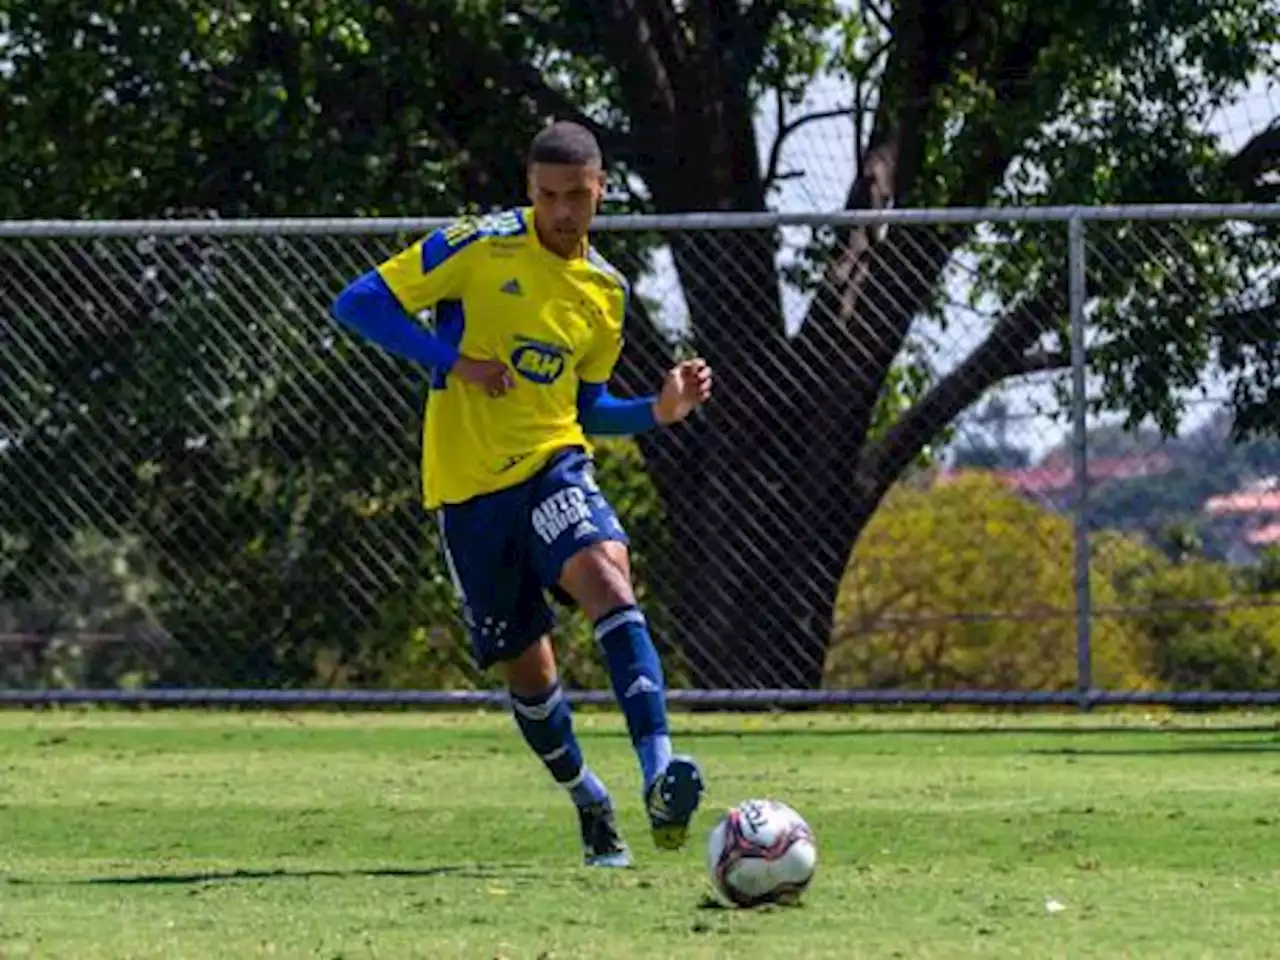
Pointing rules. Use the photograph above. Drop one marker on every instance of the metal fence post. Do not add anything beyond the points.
(1080, 449)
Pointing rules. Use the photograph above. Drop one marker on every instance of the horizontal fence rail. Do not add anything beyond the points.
(989, 457)
(373, 226)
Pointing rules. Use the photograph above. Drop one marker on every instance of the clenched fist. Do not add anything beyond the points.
(686, 387)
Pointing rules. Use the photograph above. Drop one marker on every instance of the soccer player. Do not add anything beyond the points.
(528, 325)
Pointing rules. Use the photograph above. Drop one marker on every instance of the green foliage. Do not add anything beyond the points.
(263, 478)
(88, 622)
(272, 490)
(1204, 628)
(1265, 577)
(1169, 302)
(124, 110)
(1204, 625)
(967, 585)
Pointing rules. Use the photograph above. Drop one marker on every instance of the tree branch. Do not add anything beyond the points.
(616, 29)
(522, 78)
(516, 75)
(617, 144)
(787, 127)
(868, 8)
(1258, 157)
(1042, 361)
(1003, 354)
(876, 288)
(666, 29)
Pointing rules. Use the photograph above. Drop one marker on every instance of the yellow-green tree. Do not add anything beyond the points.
(1202, 626)
(966, 585)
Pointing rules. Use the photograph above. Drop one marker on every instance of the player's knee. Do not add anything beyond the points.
(598, 578)
(533, 671)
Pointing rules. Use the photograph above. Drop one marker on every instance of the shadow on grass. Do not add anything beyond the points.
(976, 730)
(1229, 748)
(231, 876)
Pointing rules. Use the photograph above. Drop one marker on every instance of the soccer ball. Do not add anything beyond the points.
(761, 851)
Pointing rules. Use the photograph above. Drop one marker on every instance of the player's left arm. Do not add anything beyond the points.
(686, 387)
(602, 414)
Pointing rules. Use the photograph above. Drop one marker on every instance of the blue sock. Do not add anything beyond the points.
(547, 724)
(636, 676)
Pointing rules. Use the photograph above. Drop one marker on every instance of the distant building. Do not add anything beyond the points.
(1250, 516)
(1052, 482)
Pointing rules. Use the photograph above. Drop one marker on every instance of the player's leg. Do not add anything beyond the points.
(598, 578)
(581, 548)
(544, 717)
(508, 621)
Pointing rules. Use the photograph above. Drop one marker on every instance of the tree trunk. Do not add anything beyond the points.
(760, 547)
(768, 489)
(751, 596)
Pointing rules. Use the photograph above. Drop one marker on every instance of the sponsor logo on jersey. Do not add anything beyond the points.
(539, 362)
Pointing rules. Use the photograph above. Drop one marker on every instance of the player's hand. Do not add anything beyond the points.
(492, 376)
(686, 387)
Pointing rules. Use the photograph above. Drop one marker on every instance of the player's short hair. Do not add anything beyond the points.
(568, 143)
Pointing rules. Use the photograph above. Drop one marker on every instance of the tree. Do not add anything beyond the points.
(357, 107)
(194, 390)
(965, 585)
(967, 106)
(1205, 626)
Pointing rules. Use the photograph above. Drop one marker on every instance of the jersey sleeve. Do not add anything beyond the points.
(435, 268)
(598, 362)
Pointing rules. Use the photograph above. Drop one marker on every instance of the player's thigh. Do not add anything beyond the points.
(579, 545)
(487, 553)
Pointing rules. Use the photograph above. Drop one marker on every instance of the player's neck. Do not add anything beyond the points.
(575, 251)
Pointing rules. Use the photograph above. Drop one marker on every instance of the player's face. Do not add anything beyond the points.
(565, 199)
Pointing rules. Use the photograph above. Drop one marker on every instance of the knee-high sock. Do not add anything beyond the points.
(635, 673)
(547, 724)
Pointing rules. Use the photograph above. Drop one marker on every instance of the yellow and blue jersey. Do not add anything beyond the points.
(496, 293)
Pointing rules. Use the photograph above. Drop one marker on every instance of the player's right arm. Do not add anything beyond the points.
(380, 305)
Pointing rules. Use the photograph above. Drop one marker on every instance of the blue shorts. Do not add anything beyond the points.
(505, 551)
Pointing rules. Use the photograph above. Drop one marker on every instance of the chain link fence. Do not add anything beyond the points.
(998, 456)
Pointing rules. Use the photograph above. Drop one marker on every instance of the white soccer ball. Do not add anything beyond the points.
(761, 851)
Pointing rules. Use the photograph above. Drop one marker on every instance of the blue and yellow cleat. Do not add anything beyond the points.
(671, 801)
(602, 845)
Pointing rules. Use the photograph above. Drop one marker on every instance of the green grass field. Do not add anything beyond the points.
(399, 835)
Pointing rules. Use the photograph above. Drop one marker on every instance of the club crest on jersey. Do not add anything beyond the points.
(539, 362)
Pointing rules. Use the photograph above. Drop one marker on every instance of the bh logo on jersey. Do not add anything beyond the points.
(539, 362)
(563, 509)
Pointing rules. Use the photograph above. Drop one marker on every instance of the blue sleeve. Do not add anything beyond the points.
(602, 414)
(368, 307)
